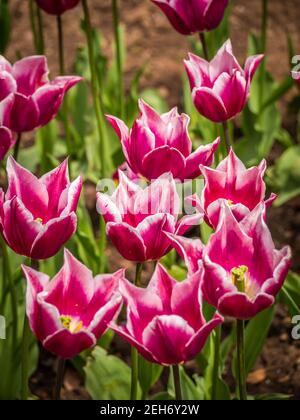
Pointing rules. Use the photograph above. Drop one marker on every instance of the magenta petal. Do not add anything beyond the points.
(239, 306)
(7, 84)
(224, 62)
(72, 289)
(108, 209)
(30, 73)
(5, 110)
(213, 211)
(151, 231)
(209, 105)
(122, 132)
(166, 337)
(105, 315)
(198, 341)
(187, 222)
(7, 141)
(53, 236)
(204, 155)
(214, 13)
(67, 345)
(282, 263)
(48, 99)
(175, 19)
(190, 250)
(43, 318)
(128, 241)
(123, 333)
(73, 195)
(19, 228)
(251, 66)
(24, 185)
(186, 300)
(161, 160)
(24, 114)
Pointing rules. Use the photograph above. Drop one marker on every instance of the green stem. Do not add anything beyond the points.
(62, 69)
(25, 358)
(33, 23)
(241, 367)
(226, 136)
(204, 45)
(59, 378)
(13, 295)
(215, 378)
(264, 26)
(17, 146)
(118, 45)
(177, 384)
(25, 348)
(99, 111)
(134, 353)
(41, 41)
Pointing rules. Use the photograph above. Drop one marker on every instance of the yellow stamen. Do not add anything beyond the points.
(74, 326)
(230, 202)
(39, 220)
(238, 275)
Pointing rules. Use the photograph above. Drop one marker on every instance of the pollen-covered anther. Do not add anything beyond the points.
(239, 277)
(38, 220)
(71, 324)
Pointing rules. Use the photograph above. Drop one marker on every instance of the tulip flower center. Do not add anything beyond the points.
(239, 279)
(230, 202)
(71, 324)
(39, 220)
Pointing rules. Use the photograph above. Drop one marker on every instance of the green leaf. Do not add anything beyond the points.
(190, 389)
(256, 333)
(149, 374)
(290, 293)
(107, 377)
(5, 25)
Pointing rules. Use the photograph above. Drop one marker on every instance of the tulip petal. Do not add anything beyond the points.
(209, 104)
(73, 194)
(30, 73)
(26, 186)
(224, 62)
(187, 222)
(7, 84)
(24, 114)
(127, 240)
(239, 306)
(186, 300)
(53, 236)
(67, 345)
(151, 231)
(122, 132)
(108, 209)
(105, 315)
(190, 250)
(197, 342)
(166, 337)
(7, 141)
(214, 13)
(204, 155)
(19, 227)
(251, 66)
(161, 160)
(175, 19)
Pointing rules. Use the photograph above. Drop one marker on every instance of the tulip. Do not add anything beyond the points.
(160, 143)
(165, 321)
(137, 217)
(57, 7)
(36, 100)
(188, 17)
(221, 88)
(243, 272)
(37, 216)
(71, 312)
(7, 137)
(242, 188)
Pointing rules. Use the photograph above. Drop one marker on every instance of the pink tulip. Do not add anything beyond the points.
(159, 144)
(36, 100)
(231, 181)
(192, 16)
(71, 312)
(243, 272)
(57, 7)
(221, 88)
(136, 217)
(165, 321)
(37, 216)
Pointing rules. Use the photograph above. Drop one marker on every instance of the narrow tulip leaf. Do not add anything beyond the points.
(256, 333)
(5, 25)
(107, 377)
(290, 293)
(149, 374)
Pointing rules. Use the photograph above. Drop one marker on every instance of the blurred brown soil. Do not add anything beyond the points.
(150, 40)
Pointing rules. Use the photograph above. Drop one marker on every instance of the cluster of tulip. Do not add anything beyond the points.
(239, 272)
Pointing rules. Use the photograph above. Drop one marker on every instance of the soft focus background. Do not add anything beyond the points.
(152, 42)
